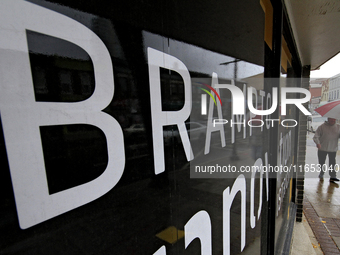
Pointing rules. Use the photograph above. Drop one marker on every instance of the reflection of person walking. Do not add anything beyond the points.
(326, 139)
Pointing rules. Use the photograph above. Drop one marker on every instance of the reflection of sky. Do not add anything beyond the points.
(201, 60)
(328, 69)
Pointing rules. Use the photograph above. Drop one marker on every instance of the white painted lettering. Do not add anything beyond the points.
(22, 115)
(228, 198)
(156, 60)
(199, 226)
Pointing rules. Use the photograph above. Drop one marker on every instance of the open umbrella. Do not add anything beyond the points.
(330, 110)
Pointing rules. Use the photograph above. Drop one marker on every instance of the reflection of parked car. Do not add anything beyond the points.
(314, 122)
(136, 145)
(135, 128)
(196, 131)
(170, 134)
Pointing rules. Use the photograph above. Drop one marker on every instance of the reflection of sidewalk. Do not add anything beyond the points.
(322, 205)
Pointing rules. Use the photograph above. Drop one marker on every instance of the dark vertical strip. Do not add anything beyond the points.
(294, 72)
(273, 70)
(302, 148)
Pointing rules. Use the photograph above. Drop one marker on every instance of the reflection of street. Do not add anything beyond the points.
(322, 202)
(312, 159)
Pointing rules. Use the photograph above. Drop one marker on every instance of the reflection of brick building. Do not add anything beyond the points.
(315, 90)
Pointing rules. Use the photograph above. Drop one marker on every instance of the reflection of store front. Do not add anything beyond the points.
(315, 102)
(104, 126)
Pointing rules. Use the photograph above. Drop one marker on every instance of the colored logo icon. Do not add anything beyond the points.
(204, 97)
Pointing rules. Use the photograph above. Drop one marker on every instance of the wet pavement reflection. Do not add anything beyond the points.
(322, 203)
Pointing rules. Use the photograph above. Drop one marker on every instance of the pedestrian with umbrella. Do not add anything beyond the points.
(326, 138)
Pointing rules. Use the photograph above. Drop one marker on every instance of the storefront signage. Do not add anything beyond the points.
(22, 116)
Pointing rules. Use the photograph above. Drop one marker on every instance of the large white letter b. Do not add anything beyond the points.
(22, 116)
